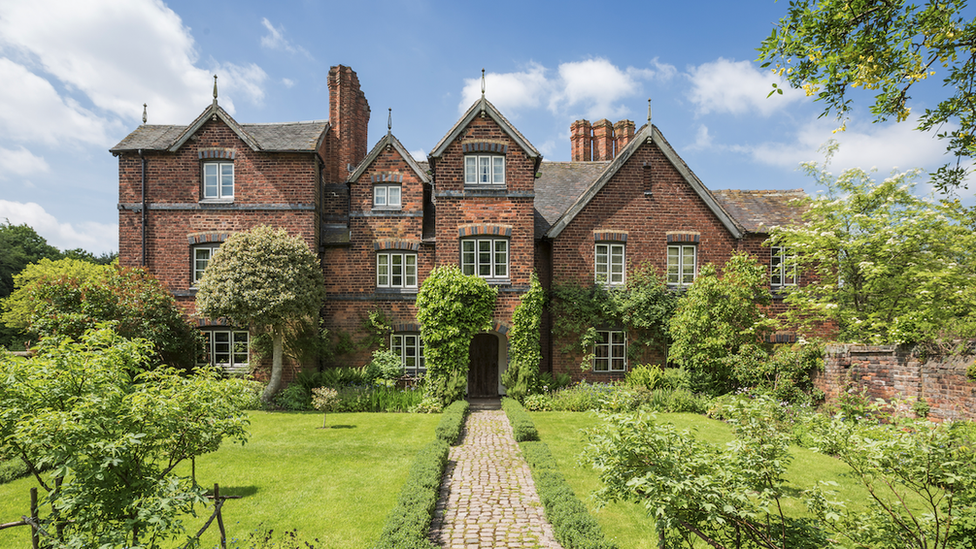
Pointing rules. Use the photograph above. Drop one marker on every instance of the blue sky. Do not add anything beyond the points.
(74, 76)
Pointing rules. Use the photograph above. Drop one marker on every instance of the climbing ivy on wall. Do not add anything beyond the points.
(524, 353)
(451, 309)
(642, 308)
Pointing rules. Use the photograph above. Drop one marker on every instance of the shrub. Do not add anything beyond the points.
(675, 378)
(449, 429)
(409, 521)
(644, 376)
(294, 398)
(523, 428)
(572, 524)
(538, 403)
(12, 469)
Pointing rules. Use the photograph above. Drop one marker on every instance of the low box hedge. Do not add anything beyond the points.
(523, 428)
(452, 422)
(408, 523)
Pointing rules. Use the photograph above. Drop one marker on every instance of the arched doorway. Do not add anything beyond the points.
(483, 366)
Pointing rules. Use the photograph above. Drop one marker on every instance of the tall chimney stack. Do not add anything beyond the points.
(581, 141)
(602, 140)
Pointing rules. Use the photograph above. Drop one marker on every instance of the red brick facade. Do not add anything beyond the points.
(317, 180)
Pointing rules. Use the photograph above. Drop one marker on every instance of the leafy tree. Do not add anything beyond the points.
(451, 308)
(524, 353)
(831, 47)
(20, 246)
(111, 433)
(886, 265)
(67, 297)
(717, 318)
(263, 278)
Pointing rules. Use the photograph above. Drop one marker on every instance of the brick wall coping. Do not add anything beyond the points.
(849, 348)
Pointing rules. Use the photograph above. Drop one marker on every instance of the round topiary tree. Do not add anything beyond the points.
(451, 307)
(263, 278)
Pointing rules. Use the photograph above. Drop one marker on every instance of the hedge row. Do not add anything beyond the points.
(523, 428)
(572, 524)
(12, 469)
(408, 523)
(449, 429)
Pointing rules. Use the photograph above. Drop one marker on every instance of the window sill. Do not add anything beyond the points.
(217, 201)
(387, 208)
(498, 281)
(396, 290)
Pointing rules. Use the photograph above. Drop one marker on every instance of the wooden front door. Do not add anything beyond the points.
(483, 366)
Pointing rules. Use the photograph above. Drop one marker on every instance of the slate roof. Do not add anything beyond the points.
(758, 211)
(559, 185)
(281, 137)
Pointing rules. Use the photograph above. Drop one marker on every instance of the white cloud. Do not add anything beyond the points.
(508, 91)
(21, 161)
(594, 87)
(97, 238)
(703, 140)
(884, 146)
(419, 155)
(288, 82)
(725, 86)
(33, 111)
(275, 40)
(118, 55)
(248, 80)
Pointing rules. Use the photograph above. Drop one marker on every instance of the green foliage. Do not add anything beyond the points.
(724, 497)
(452, 422)
(67, 297)
(263, 278)
(523, 428)
(294, 398)
(451, 309)
(920, 476)
(642, 308)
(524, 353)
(831, 47)
(784, 374)
(12, 469)
(572, 524)
(644, 376)
(20, 246)
(386, 367)
(408, 523)
(716, 318)
(111, 433)
(887, 266)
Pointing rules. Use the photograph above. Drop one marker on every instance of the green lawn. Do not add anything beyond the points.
(626, 522)
(335, 484)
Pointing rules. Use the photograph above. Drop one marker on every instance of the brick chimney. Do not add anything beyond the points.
(349, 116)
(623, 133)
(602, 140)
(581, 140)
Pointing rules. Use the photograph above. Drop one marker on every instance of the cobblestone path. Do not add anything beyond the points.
(487, 495)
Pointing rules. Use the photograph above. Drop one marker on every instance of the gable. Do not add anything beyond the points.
(649, 134)
(483, 107)
(388, 141)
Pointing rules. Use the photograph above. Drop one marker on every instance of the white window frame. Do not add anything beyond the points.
(229, 344)
(485, 257)
(484, 169)
(782, 267)
(197, 259)
(682, 265)
(396, 270)
(410, 348)
(387, 196)
(218, 181)
(609, 262)
(610, 351)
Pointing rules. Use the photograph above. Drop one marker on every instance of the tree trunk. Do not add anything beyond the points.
(276, 368)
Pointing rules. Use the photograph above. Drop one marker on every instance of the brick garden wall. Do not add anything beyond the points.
(893, 372)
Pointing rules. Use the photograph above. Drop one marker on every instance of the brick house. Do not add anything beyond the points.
(380, 221)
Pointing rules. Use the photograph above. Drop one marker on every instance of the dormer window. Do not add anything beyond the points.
(488, 169)
(218, 180)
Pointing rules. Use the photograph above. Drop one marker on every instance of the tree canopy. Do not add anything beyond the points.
(888, 47)
(886, 265)
(68, 297)
(263, 278)
(110, 432)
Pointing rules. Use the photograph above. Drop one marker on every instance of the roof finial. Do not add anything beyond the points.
(482, 82)
(389, 122)
(215, 89)
(144, 116)
(648, 111)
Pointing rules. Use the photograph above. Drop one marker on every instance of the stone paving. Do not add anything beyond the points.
(487, 495)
